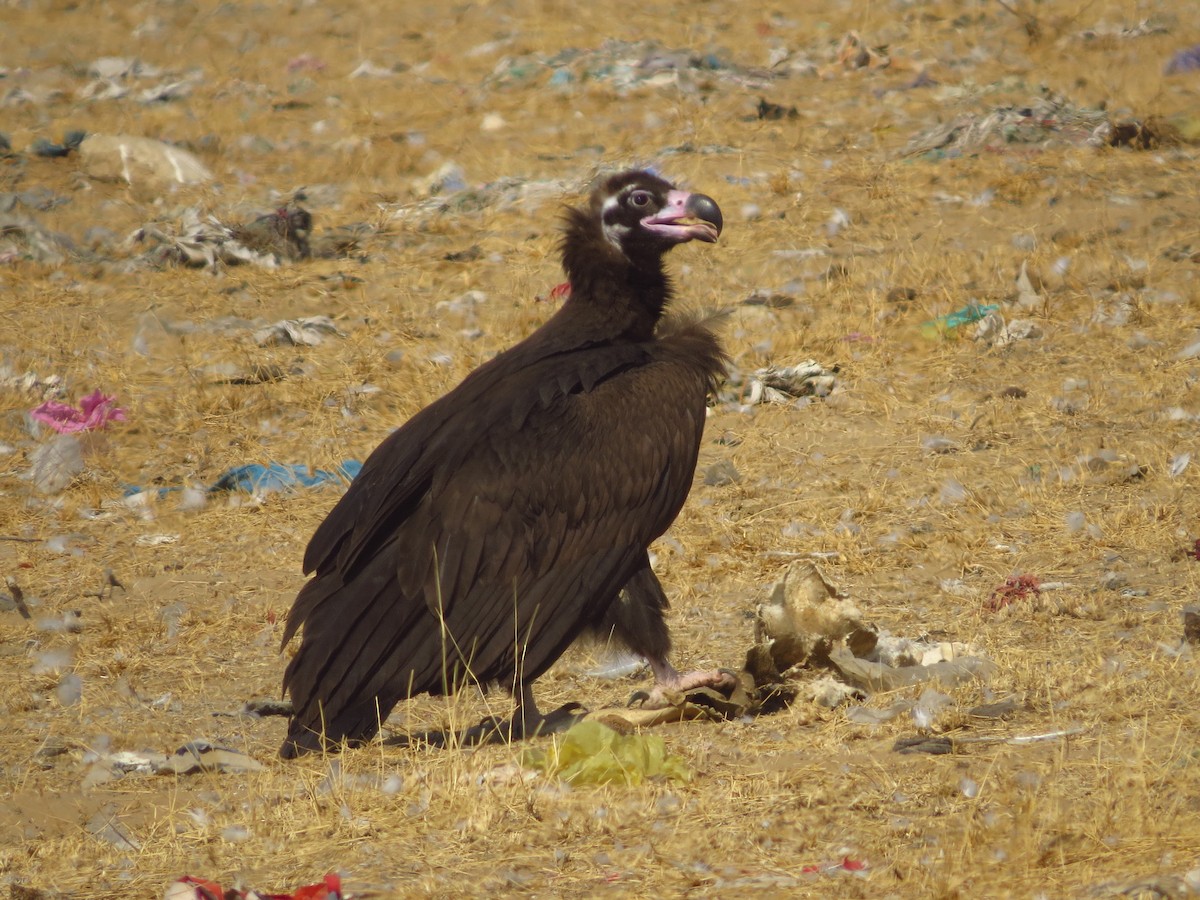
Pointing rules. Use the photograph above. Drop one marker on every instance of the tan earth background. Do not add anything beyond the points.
(871, 183)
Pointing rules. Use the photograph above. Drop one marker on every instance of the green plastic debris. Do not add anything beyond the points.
(942, 325)
(592, 753)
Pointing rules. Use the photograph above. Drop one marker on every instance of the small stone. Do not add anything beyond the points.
(722, 473)
(1113, 581)
(1191, 626)
(137, 160)
(48, 149)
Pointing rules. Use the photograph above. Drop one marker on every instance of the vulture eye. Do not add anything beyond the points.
(640, 199)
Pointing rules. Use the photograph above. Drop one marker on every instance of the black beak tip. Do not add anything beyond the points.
(705, 208)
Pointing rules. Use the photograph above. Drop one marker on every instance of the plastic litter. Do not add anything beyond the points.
(1185, 60)
(193, 757)
(259, 479)
(847, 864)
(201, 756)
(784, 384)
(202, 241)
(191, 888)
(616, 665)
(1179, 464)
(1015, 587)
(624, 65)
(942, 325)
(1028, 297)
(94, 412)
(1122, 32)
(255, 478)
(307, 332)
(1047, 121)
(873, 676)
(924, 709)
(592, 753)
(55, 465)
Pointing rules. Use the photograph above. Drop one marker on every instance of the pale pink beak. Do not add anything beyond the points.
(687, 217)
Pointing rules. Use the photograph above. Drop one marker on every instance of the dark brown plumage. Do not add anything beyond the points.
(505, 519)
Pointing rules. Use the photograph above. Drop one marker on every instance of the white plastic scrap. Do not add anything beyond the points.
(198, 242)
(306, 332)
(156, 540)
(1178, 464)
(994, 331)
(55, 464)
(1027, 295)
(783, 384)
(31, 383)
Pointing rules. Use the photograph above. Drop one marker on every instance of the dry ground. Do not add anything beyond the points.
(197, 631)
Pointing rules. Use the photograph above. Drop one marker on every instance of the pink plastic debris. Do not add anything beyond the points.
(95, 411)
(847, 864)
(191, 888)
(306, 62)
(1015, 587)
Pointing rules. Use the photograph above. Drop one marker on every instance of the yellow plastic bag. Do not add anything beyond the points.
(592, 753)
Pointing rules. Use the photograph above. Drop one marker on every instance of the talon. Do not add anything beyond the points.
(640, 698)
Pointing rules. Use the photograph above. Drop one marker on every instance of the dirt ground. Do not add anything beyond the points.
(940, 466)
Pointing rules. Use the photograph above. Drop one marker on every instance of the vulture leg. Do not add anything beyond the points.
(526, 722)
(637, 621)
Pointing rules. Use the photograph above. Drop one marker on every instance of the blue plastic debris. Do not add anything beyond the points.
(256, 478)
(1186, 60)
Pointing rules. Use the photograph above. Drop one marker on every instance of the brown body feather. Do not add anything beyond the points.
(502, 521)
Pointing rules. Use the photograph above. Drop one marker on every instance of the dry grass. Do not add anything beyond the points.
(1111, 804)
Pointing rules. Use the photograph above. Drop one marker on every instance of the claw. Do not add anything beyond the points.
(640, 698)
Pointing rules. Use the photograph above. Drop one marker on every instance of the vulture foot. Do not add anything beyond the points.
(670, 690)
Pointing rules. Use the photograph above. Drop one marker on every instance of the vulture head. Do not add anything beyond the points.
(641, 214)
(612, 248)
(632, 219)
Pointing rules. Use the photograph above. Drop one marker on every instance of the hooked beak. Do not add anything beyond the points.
(686, 217)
